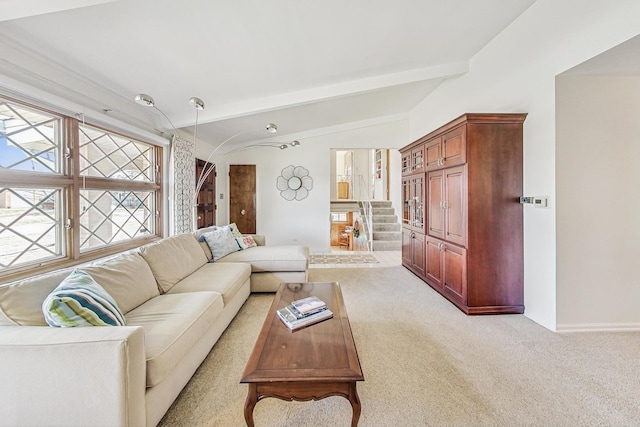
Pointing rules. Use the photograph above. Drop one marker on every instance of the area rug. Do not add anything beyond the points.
(352, 258)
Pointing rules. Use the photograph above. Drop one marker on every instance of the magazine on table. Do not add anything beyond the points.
(294, 320)
(308, 305)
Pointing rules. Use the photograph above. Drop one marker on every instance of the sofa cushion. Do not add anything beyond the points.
(172, 324)
(272, 258)
(80, 301)
(221, 242)
(173, 258)
(21, 302)
(199, 234)
(205, 247)
(226, 278)
(127, 278)
(246, 242)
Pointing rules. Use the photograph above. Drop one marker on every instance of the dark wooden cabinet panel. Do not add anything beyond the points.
(434, 268)
(406, 163)
(417, 253)
(406, 247)
(406, 202)
(435, 208)
(413, 224)
(413, 248)
(455, 205)
(413, 199)
(417, 160)
(455, 271)
(433, 153)
(454, 147)
(473, 247)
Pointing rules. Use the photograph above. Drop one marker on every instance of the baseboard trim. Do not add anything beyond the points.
(597, 327)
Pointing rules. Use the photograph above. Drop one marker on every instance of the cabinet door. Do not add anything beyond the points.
(418, 192)
(407, 202)
(455, 272)
(417, 159)
(454, 147)
(406, 247)
(433, 153)
(433, 268)
(455, 205)
(435, 197)
(417, 261)
(406, 162)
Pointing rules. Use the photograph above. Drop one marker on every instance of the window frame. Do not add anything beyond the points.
(72, 183)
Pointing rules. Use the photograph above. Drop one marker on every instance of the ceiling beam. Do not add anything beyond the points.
(215, 113)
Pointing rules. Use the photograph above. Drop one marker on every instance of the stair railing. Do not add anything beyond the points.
(362, 193)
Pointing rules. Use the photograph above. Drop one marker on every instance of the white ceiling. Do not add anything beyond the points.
(301, 64)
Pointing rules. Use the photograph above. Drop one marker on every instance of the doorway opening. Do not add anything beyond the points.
(359, 178)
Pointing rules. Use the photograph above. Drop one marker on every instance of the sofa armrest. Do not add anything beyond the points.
(259, 239)
(72, 376)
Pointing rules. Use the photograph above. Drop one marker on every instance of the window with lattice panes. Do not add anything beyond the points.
(70, 190)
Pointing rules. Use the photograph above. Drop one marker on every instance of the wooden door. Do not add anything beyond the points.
(455, 204)
(242, 197)
(435, 197)
(206, 196)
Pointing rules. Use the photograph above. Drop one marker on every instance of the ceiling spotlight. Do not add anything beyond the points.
(197, 103)
(294, 143)
(144, 99)
(271, 127)
(284, 146)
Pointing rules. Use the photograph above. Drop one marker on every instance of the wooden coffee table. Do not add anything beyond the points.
(307, 364)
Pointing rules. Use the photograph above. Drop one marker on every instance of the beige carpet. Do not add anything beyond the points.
(426, 363)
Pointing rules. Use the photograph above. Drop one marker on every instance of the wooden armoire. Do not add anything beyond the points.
(462, 218)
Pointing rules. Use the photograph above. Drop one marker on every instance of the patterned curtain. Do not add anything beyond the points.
(183, 171)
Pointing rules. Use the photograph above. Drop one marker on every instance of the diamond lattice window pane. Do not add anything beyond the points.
(108, 155)
(30, 226)
(29, 140)
(108, 217)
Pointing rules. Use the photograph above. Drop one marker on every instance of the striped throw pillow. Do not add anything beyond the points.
(80, 301)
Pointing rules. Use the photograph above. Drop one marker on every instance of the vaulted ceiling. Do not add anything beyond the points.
(302, 64)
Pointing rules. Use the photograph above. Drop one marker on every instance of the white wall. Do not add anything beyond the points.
(516, 72)
(598, 209)
(305, 222)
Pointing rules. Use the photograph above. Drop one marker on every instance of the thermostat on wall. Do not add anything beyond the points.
(537, 201)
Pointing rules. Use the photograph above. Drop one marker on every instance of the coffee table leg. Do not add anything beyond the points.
(355, 404)
(250, 403)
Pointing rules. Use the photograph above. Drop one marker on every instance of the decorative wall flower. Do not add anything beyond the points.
(294, 183)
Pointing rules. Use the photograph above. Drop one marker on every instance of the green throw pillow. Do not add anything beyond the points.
(80, 301)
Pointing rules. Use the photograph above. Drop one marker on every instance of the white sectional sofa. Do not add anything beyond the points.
(176, 304)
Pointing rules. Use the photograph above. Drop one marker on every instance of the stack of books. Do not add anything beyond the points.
(304, 312)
